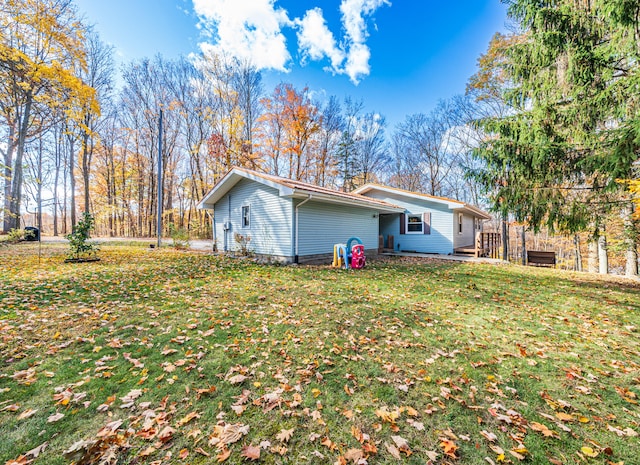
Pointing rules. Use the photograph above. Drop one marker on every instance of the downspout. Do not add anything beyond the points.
(213, 228)
(295, 260)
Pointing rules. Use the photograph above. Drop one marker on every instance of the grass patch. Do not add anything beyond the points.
(158, 356)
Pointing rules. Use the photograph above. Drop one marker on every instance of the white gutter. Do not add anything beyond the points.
(297, 207)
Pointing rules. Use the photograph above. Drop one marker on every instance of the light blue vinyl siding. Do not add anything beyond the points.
(468, 235)
(270, 226)
(321, 225)
(440, 240)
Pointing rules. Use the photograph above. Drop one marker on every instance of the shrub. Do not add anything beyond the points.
(180, 237)
(80, 248)
(243, 242)
(17, 235)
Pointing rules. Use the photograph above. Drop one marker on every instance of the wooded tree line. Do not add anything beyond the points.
(75, 142)
(548, 131)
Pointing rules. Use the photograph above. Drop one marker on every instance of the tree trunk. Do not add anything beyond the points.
(592, 259)
(603, 259)
(72, 181)
(8, 163)
(87, 154)
(505, 240)
(39, 186)
(630, 240)
(524, 246)
(576, 242)
(16, 181)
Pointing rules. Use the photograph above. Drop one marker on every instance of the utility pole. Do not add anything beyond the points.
(160, 181)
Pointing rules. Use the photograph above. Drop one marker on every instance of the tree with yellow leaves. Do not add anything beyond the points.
(41, 41)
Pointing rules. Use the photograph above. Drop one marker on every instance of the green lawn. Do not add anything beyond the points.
(157, 357)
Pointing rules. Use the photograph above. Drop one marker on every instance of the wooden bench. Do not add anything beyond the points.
(541, 258)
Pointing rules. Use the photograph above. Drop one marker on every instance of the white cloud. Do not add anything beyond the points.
(354, 13)
(316, 41)
(252, 30)
(246, 29)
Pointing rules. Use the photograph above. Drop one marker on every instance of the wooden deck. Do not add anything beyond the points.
(486, 245)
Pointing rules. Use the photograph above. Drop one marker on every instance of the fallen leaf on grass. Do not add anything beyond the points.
(491, 437)
(546, 432)
(55, 417)
(237, 379)
(564, 416)
(147, 452)
(225, 434)
(589, 452)
(401, 442)
(109, 429)
(223, 455)
(251, 452)
(416, 424)
(201, 451)
(393, 450)
(354, 455)
(35, 452)
(26, 377)
(27, 413)
(201, 392)
(166, 434)
(285, 434)
(188, 418)
(449, 448)
(21, 460)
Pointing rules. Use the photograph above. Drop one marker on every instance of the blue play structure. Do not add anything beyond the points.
(349, 255)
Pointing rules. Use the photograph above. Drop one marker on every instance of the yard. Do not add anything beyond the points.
(160, 356)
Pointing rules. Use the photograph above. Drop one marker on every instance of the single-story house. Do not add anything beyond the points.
(292, 221)
(449, 224)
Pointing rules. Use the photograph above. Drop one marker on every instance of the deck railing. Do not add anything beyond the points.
(487, 245)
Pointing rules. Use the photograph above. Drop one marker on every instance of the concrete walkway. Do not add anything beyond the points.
(455, 258)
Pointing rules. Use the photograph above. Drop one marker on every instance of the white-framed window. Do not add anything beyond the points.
(415, 224)
(460, 216)
(246, 216)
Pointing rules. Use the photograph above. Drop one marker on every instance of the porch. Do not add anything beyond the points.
(486, 245)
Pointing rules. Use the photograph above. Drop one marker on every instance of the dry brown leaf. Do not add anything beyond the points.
(491, 437)
(27, 413)
(223, 455)
(237, 379)
(201, 451)
(189, 417)
(55, 417)
(354, 455)
(449, 448)
(166, 434)
(147, 452)
(285, 434)
(393, 450)
(251, 452)
(35, 452)
(564, 416)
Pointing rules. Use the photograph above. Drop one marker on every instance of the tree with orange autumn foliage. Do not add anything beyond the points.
(291, 120)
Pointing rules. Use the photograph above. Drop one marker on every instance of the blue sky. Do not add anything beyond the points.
(400, 57)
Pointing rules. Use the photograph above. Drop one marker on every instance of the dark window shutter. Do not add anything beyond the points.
(427, 223)
(403, 221)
